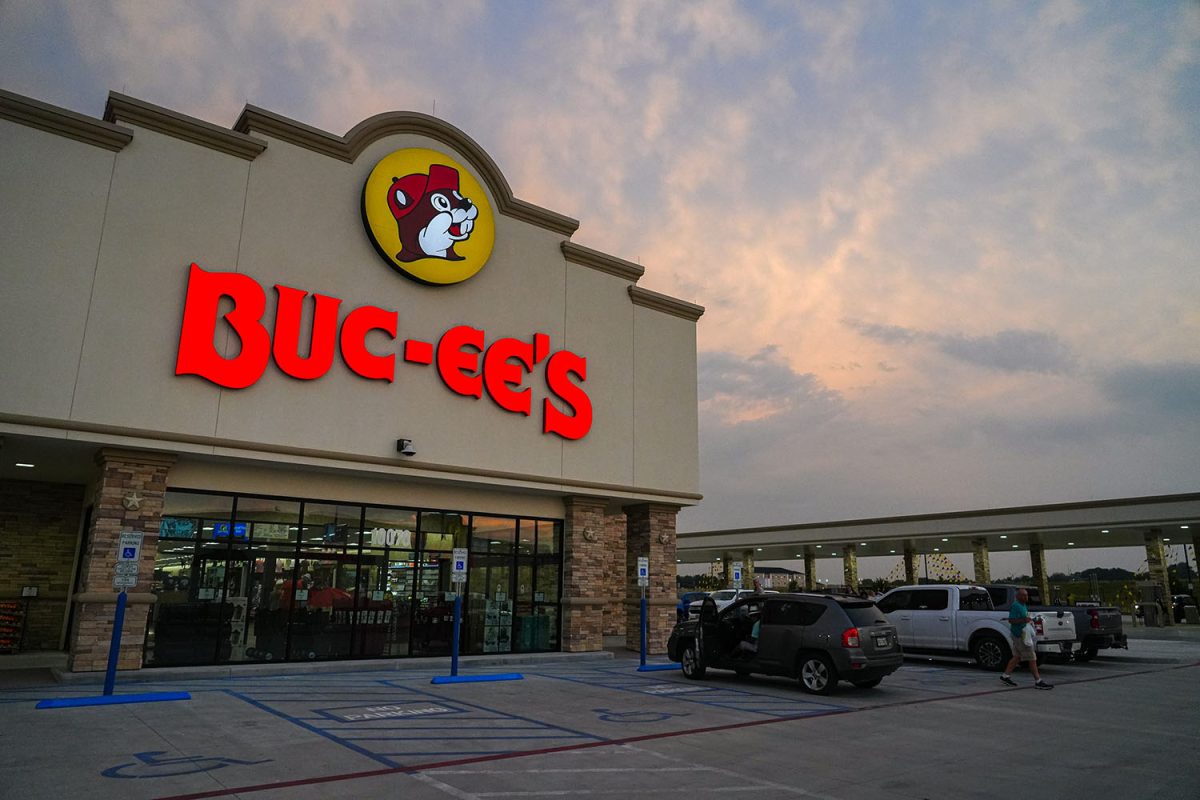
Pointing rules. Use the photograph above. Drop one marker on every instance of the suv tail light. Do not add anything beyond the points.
(1095, 618)
(850, 637)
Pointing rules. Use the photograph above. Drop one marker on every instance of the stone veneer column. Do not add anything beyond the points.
(810, 570)
(585, 580)
(850, 566)
(1037, 565)
(651, 532)
(982, 560)
(911, 575)
(747, 569)
(129, 496)
(727, 571)
(1156, 565)
(614, 581)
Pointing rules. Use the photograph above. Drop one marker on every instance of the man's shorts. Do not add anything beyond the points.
(1021, 650)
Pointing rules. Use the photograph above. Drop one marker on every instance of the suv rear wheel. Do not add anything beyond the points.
(990, 652)
(816, 674)
(693, 667)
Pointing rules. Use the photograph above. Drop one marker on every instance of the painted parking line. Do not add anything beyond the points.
(391, 722)
(703, 694)
(629, 740)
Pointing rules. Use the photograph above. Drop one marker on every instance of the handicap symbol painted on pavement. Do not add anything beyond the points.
(149, 765)
(608, 715)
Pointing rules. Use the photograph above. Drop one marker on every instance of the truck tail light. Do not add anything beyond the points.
(1094, 615)
(850, 637)
(1039, 626)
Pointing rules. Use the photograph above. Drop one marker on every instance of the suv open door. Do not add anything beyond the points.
(697, 656)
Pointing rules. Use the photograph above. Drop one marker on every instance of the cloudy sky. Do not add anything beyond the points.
(950, 251)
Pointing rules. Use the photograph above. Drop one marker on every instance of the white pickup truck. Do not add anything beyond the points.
(953, 620)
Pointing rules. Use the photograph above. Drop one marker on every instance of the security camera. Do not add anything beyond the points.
(405, 447)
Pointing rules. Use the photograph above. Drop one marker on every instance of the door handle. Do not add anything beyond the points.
(944, 619)
(906, 618)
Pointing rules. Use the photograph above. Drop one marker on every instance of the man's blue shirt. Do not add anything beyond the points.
(1017, 611)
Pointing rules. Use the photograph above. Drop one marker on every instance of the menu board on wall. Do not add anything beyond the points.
(272, 532)
(177, 528)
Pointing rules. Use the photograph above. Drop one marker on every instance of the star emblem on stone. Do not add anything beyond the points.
(132, 501)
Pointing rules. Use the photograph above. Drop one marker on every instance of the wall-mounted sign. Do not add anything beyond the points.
(272, 532)
(176, 528)
(221, 530)
(129, 546)
(464, 360)
(428, 216)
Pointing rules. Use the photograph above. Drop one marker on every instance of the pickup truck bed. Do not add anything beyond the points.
(1096, 628)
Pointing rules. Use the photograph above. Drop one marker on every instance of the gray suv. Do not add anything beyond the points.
(817, 638)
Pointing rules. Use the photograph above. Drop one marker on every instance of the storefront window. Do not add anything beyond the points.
(268, 521)
(493, 534)
(191, 505)
(526, 536)
(331, 527)
(442, 531)
(549, 537)
(261, 579)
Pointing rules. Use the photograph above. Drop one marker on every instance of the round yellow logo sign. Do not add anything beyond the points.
(428, 216)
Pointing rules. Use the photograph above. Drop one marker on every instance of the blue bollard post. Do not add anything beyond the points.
(114, 648)
(643, 629)
(454, 636)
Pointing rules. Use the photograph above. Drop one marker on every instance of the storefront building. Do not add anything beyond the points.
(306, 368)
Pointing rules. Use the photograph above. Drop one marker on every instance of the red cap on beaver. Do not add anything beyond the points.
(416, 186)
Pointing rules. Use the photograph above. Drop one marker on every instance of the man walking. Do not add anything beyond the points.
(1019, 623)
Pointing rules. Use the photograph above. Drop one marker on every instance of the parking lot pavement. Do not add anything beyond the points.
(933, 729)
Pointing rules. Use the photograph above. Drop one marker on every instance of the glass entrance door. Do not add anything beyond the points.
(433, 611)
(322, 620)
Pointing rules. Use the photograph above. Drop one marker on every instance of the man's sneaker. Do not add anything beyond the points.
(1042, 685)
(1008, 680)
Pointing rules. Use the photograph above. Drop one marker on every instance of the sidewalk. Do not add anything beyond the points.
(1175, 633)
(434, 664)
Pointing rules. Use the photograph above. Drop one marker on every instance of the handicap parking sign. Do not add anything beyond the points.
(459, 562)
(128, 553)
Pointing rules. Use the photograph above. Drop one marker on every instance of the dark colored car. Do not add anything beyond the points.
(818, 639)
(1180, 602)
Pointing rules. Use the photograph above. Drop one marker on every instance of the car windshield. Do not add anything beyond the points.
(864, 615)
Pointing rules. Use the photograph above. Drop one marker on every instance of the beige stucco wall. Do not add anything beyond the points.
(223, 475)
(52, 198)
(82, 354)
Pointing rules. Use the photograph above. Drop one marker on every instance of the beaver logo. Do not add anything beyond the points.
(434, 223)
(431, 214)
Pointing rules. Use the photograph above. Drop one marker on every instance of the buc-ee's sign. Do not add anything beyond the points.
(466, 362)
(430, 219)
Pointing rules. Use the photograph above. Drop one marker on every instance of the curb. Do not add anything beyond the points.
(283, 669)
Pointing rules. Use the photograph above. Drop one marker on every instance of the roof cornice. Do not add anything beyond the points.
(53, 119)
(586, 256)
(665, 303)
(349, 147)
(121, 108)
